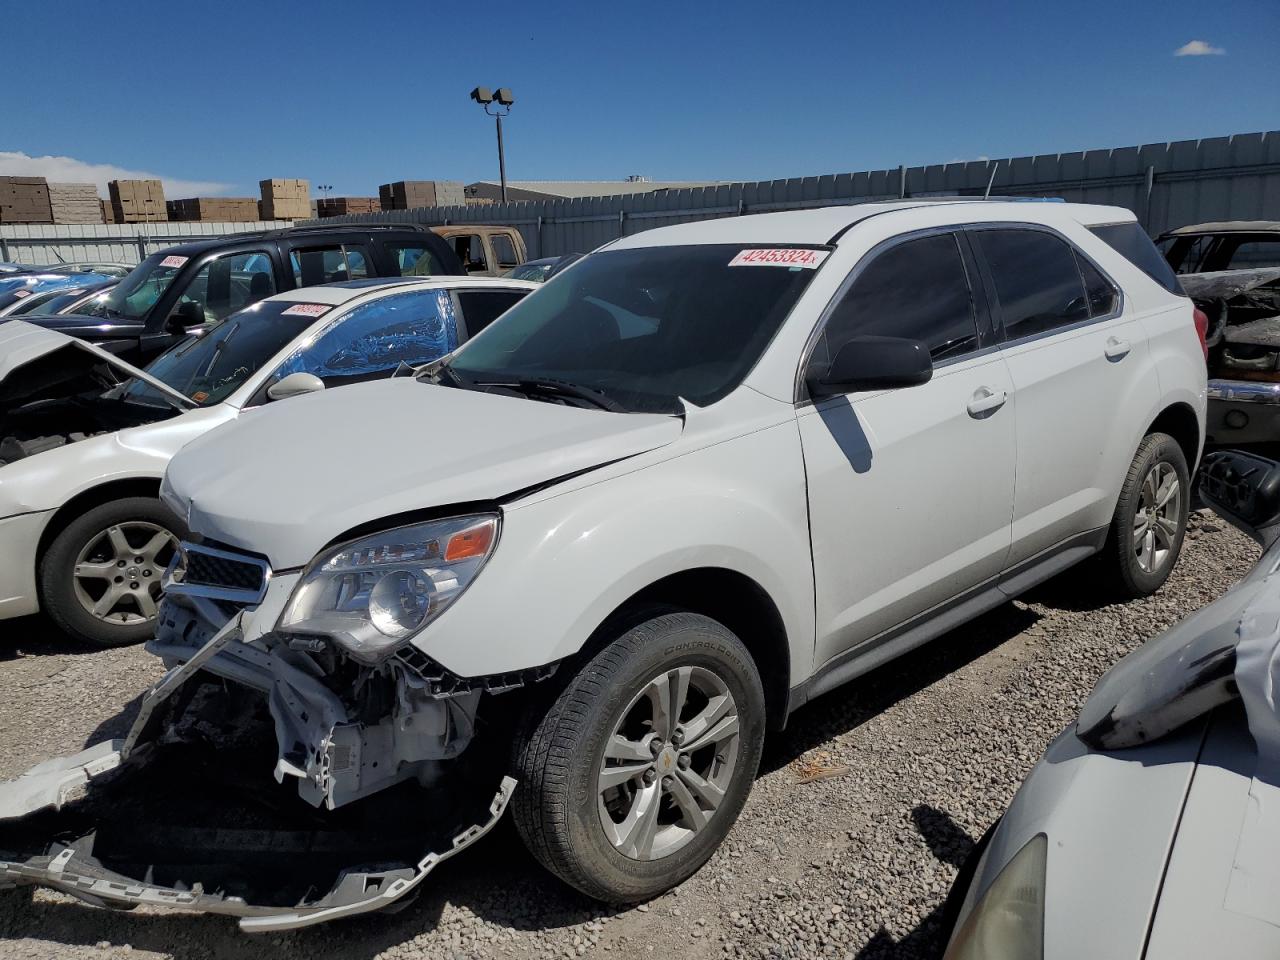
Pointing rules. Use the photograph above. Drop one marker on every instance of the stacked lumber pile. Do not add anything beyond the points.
(75, 203)
(137, 201)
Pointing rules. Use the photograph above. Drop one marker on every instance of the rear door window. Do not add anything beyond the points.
(313, 266)
(504, 251)
(375, 338)
(414, 260)
(1038, 284)
(481, 307)
(1246, 254)
(918, 289)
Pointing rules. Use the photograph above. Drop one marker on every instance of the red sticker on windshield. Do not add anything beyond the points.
(173, 261)
(780, 257)
(306, 310)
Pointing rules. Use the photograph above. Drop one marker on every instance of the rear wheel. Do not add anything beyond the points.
(1150, 518)
(100, 576)
(633, 777)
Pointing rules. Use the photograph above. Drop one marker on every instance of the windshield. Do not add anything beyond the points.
(137, 293)
(646, 326)
(208, 369)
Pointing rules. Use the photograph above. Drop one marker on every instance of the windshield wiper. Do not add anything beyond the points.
(550, 387)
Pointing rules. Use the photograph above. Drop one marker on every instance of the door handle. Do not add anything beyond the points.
(985, 402)
(1116, 349)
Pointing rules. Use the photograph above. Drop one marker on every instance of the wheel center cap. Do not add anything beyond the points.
(133, 572)
(666, 761)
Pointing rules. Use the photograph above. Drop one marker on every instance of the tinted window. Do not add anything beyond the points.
(644, 326)
(1037, 282)
(481, 307)
(504, 250)
(917, 289)
(1104, 298)
(137, 293)
(230, 283)
(1131, 242)
(414, 260)
(317, 265)
(376, 337)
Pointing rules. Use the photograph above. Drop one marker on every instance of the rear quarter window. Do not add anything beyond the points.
(1131, 242)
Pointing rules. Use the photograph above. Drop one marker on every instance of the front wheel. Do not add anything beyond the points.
(1150, 518)
(633, 777)
(100, 577)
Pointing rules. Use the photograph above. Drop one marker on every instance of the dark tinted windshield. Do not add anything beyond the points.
(137, 293)
(645, 326)
(210, 368)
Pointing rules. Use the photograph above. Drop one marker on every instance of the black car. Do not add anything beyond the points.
(183, 288)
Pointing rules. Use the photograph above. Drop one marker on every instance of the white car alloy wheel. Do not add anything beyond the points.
(1155, 524)
(117, 573)
(668, 763)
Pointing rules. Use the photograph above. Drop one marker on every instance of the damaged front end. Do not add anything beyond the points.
(1243, 342)
(269, 776)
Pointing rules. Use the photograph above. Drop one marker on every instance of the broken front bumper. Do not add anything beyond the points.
(1243, 412)
(124, 823)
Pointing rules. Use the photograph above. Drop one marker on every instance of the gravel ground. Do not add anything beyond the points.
(863, 809)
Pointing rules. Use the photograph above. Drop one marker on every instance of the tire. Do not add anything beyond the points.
(1122, 558)
(559, 808)
(87, 544)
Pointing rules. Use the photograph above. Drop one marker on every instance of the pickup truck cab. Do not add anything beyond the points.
(184, 288)
(485, 251)
(582, 563)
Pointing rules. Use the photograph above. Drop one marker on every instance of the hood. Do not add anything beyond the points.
(286, 479)
(41, 364)
(1225, 284)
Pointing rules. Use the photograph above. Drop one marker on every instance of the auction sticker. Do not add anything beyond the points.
(780, 257)
(19, 294)
(306, 310)
(173, 261)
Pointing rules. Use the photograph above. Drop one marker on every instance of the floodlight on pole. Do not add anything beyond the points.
(500, 101)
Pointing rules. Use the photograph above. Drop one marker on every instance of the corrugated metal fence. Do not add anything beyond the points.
(1165, 184)
(40, 243)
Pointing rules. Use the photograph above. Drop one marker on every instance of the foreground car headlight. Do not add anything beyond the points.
(373, 594)
(1008, 923)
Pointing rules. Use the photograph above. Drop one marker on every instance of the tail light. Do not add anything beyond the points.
(1202, 329)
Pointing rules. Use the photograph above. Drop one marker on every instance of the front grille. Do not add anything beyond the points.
(214, 571)
(224, 575)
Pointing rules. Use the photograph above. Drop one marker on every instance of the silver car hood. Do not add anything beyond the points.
(32, 358)
(289, 478)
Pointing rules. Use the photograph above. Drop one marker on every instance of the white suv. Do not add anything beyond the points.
(704, 475)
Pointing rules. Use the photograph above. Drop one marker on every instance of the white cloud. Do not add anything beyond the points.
(1198, 48)
(70, 170)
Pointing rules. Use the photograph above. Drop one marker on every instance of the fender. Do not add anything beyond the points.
(546, 589)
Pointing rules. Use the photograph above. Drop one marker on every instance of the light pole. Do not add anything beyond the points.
(503, 99)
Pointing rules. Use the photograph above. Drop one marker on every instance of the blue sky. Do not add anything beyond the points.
(220, 95)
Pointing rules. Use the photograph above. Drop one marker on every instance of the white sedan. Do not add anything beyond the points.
(1151, 827)
(85, 437)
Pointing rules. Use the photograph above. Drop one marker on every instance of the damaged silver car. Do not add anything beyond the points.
(1232, 272)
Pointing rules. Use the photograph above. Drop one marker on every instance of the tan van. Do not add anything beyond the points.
(485, 251)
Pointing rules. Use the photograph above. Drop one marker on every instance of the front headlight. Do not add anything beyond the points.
(373, 594)
(1008, 923)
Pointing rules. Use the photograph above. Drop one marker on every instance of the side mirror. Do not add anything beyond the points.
(871, 363)
(294, 385)
(189, 314)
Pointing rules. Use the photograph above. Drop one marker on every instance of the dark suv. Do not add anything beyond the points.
(179, 290)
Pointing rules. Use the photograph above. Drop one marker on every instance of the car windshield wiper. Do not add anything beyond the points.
(547, 386)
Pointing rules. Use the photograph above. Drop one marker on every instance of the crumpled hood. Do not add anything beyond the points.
(37, 363)
(286, 479)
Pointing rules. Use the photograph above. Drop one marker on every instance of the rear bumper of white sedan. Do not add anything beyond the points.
(19, 538)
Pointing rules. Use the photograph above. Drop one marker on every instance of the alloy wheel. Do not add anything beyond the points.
(668, 763)
(1155, 522)
(117, 573)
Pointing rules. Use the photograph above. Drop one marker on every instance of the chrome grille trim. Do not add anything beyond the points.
(202, 571)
